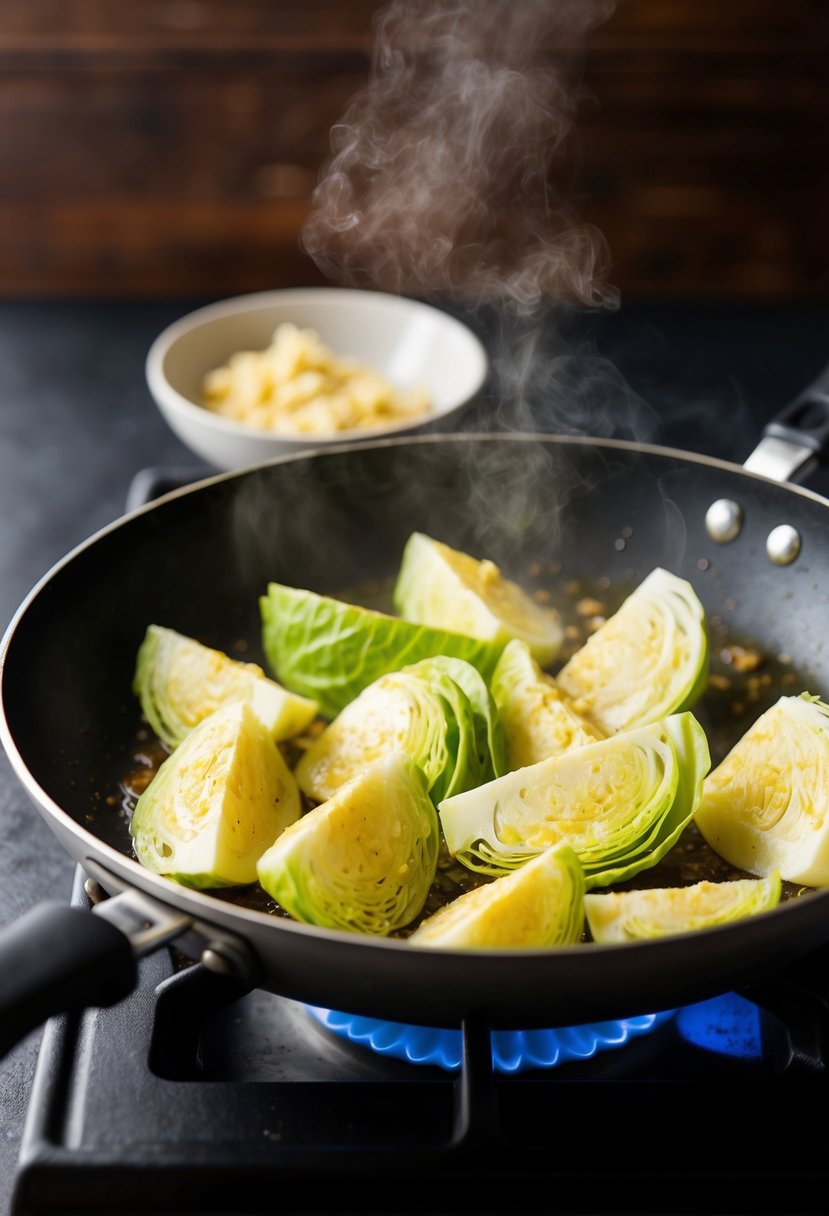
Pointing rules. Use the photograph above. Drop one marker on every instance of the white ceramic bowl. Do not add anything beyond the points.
(407, 341)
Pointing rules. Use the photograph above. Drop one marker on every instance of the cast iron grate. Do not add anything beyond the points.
(196, 1096)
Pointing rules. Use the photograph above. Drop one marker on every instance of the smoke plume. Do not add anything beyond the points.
(450, 172)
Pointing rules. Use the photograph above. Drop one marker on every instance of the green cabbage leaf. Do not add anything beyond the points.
(329, 650)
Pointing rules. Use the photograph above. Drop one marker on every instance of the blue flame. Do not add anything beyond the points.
(513, 1051)
(728, 1025)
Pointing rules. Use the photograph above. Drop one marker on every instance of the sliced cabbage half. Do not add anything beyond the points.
(629, 916)
(537, 717)
(648, 660)
(447, 589)
(179, 682)
(330, 650)
(537, 906)
(217, 803)
(423, 711)
(490, 741)
(620, 804)
(364, 860)
(765, 807)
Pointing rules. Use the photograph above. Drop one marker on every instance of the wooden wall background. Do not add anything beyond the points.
(161, 147)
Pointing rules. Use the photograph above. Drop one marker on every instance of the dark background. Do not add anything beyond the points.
(170, 147)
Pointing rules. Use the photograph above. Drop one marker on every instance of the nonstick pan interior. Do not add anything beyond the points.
(560, 512)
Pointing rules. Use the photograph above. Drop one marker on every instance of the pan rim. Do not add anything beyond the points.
(210, 910)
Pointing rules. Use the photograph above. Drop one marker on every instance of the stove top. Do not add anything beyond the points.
(197, 1095)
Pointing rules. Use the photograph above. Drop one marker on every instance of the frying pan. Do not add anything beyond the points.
(198, 559)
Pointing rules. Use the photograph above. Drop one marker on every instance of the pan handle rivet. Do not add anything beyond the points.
(217, 961)
(224, 958)
(724, 520)
(95, 893)
(783, 545)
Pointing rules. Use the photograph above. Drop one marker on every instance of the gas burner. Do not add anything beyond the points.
(513, 1051)
(198, 1095)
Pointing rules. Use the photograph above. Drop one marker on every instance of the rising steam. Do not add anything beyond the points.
(449, 172)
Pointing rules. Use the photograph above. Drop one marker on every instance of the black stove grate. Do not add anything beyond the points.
(197, 1096)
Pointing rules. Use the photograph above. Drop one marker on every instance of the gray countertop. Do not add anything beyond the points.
(77, 423)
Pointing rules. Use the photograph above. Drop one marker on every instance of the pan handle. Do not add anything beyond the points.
(797, 438)
(60, 958)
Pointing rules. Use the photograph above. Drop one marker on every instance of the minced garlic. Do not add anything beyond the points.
(298, 386)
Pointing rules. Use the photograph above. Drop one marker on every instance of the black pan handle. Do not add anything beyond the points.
(806, 419)
(797, 437)
(62, 958)
(59, 959)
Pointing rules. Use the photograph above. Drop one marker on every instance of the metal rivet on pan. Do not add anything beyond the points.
(94, 891)
(217, 961)
(224, 958)
(783, 545)
(724, 520)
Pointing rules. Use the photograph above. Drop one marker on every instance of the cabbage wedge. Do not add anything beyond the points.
(765, 807)
(620, 804)
(330, 650)
(423, 711)
(364, 860)
(537, 718)
(217, 803)
(448, 589)
(179, 681)
(539, 906)
(630, 916)
(648, 660)
(490, 742)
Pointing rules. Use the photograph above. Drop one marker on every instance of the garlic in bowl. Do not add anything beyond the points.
(277, 372)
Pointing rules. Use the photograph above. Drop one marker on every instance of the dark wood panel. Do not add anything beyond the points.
(738, 27)
(121, 249)
(172, 147)
(32, 25)
(169, 134)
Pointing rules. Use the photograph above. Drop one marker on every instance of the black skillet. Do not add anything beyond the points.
(198, 559)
